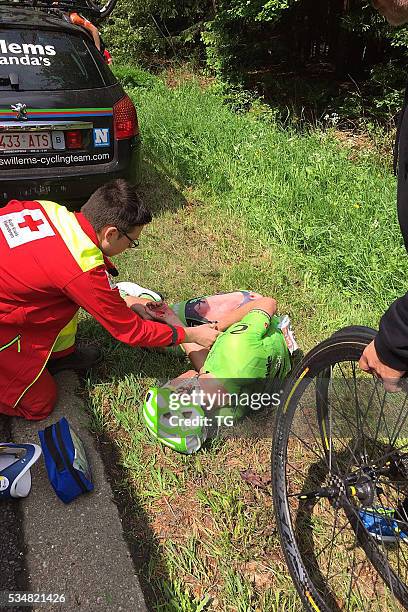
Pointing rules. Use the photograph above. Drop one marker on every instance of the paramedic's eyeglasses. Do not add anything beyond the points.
(133, 243)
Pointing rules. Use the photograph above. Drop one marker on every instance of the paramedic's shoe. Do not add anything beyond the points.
(84, 358)
(381, 524)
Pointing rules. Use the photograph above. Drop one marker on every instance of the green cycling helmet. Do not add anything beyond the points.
(178, 424)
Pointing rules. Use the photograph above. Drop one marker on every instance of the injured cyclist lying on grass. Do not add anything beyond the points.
(243, 370)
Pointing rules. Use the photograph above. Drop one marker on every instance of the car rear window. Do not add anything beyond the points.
(48, 60)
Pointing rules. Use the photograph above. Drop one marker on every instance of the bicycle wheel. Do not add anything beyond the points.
(339, 447)
(101, 9)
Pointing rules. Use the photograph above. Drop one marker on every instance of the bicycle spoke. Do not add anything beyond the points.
(321, 457)
(349, 422)
(333, 538)
(344, 446)
(357, 409)
(396, 432)
(317, 440)
(360, 427)
(382, 404)
(391, 453)
(351, 574)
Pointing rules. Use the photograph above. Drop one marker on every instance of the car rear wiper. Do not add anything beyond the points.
(10, 79)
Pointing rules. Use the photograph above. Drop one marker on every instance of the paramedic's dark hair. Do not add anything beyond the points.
(116, 203)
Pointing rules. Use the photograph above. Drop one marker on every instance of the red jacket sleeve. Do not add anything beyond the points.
(92, 291)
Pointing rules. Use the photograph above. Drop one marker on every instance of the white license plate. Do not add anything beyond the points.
(25, 141)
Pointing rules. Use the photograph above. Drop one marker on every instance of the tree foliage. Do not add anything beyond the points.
(263, 44)
(152, 31)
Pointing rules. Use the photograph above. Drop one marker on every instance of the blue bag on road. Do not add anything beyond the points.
(65, 460)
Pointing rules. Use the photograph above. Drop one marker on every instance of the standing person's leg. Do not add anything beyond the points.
(38, 402)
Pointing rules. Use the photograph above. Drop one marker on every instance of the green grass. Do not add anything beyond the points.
(333, 216)
(239, 203)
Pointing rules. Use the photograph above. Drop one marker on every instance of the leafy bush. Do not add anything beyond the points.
(307, 58)
(152, 31)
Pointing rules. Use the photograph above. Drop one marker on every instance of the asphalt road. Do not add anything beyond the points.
(77, 549)
(13, 570)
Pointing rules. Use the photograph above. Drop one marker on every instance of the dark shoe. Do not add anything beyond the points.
(84, 358)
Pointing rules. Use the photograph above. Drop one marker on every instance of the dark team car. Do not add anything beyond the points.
(66, 124)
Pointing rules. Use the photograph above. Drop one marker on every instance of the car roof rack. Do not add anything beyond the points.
(54, 6)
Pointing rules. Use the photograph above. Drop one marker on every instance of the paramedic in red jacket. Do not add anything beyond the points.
(52, 262)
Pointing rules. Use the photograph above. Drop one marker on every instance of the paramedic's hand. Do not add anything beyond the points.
(370, 362)
(138, 306)
(204, 335)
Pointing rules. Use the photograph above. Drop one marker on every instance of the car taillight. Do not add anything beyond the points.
(73, 139)
(107, 57)
(125, 119)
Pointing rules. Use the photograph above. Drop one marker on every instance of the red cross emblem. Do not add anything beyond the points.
(31, 223)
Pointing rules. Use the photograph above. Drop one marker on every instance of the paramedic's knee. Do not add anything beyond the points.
(40, 399)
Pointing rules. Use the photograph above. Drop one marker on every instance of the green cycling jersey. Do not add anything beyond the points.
(251, 350)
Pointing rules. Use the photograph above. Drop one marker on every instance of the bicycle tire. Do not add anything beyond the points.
(101, 9)
(344, 346)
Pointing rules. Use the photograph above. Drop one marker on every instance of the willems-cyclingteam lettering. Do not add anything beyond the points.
(53, 160)
(25, 54)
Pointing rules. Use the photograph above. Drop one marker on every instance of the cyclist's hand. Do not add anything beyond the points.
(205, 335)
(140, 309)
(157, 310)
(370, 362)
(160, 311)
